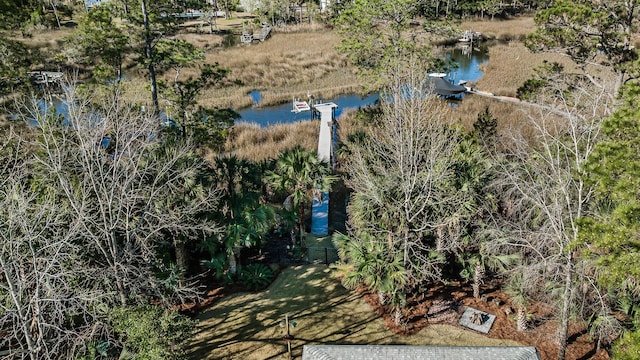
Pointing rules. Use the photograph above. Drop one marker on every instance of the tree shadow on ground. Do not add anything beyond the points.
(250, 325)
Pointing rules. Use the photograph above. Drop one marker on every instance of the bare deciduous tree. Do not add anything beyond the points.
(402, 174)
(88, 208)
(40, 288)
(545, 195)
(116, 175)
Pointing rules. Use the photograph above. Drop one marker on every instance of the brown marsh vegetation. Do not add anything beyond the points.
(503, 30)
(251, 142)
(287, 65)
(510, 66)
(303, 58)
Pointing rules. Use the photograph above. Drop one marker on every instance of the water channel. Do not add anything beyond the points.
(468, 66)
(468, 60)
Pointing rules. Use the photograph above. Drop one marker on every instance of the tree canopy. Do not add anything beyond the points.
(591, 32)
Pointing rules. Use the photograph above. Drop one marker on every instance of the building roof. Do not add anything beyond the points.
(408, 352)
(445, 88)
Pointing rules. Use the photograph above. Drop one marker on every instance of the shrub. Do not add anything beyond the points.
(627, 346)
(150, 332)
(256, 276)
(529, 88)
(218, 264)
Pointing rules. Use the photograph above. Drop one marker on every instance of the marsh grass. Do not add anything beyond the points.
(510, 116)
(255, 143)
(286, 65)
(303, 58)
(301, 28)
(251, 142)
(43, 39)
(511, 65)
(202, 40)
(505, 30)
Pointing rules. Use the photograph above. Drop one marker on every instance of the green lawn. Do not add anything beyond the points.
(247, 326)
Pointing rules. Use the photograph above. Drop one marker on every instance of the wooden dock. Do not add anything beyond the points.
(46, 77)
(257, 36)
(320, 206)
(470, 37)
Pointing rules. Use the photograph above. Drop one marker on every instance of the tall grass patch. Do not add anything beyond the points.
(252, 142)
(506, 30)
(511, 64)
(286, 65)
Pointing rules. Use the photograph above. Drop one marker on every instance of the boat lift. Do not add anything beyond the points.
(300, 106)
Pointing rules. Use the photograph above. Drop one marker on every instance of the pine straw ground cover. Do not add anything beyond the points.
(444, 304)
(247, 325)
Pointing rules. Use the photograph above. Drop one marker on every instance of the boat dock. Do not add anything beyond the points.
(46, 77)
(470, 36)
(320, 206)
(257, 36)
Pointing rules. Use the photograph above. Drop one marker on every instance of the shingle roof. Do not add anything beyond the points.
(408, 352)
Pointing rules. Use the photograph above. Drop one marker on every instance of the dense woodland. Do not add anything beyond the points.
(109, 217)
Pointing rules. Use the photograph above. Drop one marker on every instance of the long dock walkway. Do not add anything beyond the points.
(518, 101)
(320, 207)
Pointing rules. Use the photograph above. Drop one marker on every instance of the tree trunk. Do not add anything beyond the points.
(149, 55)
(182, 255)
(300, 7)
(478, 274)
(397, 316)
(121, 292)
(227, 13)
(522, 318)
(564, 315)
(301, 219)
(14, 293)
(55, 13)
(233, 265)
(382, 297)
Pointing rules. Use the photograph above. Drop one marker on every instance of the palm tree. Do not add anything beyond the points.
(248, 228)
(302, 175)
(247, 220)
(196, 190)
(368, 261)
(481, 261)
(517, 288)
(237, 179)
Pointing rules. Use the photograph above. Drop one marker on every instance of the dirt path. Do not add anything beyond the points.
(247, 326)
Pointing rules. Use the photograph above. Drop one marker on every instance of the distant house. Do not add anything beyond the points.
(391, 352)
(91, 3)
(324, 4)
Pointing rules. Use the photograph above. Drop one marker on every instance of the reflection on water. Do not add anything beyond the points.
(468, 62)
(256, 97)
(279, 114)
(47, 108)
(468, 59)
